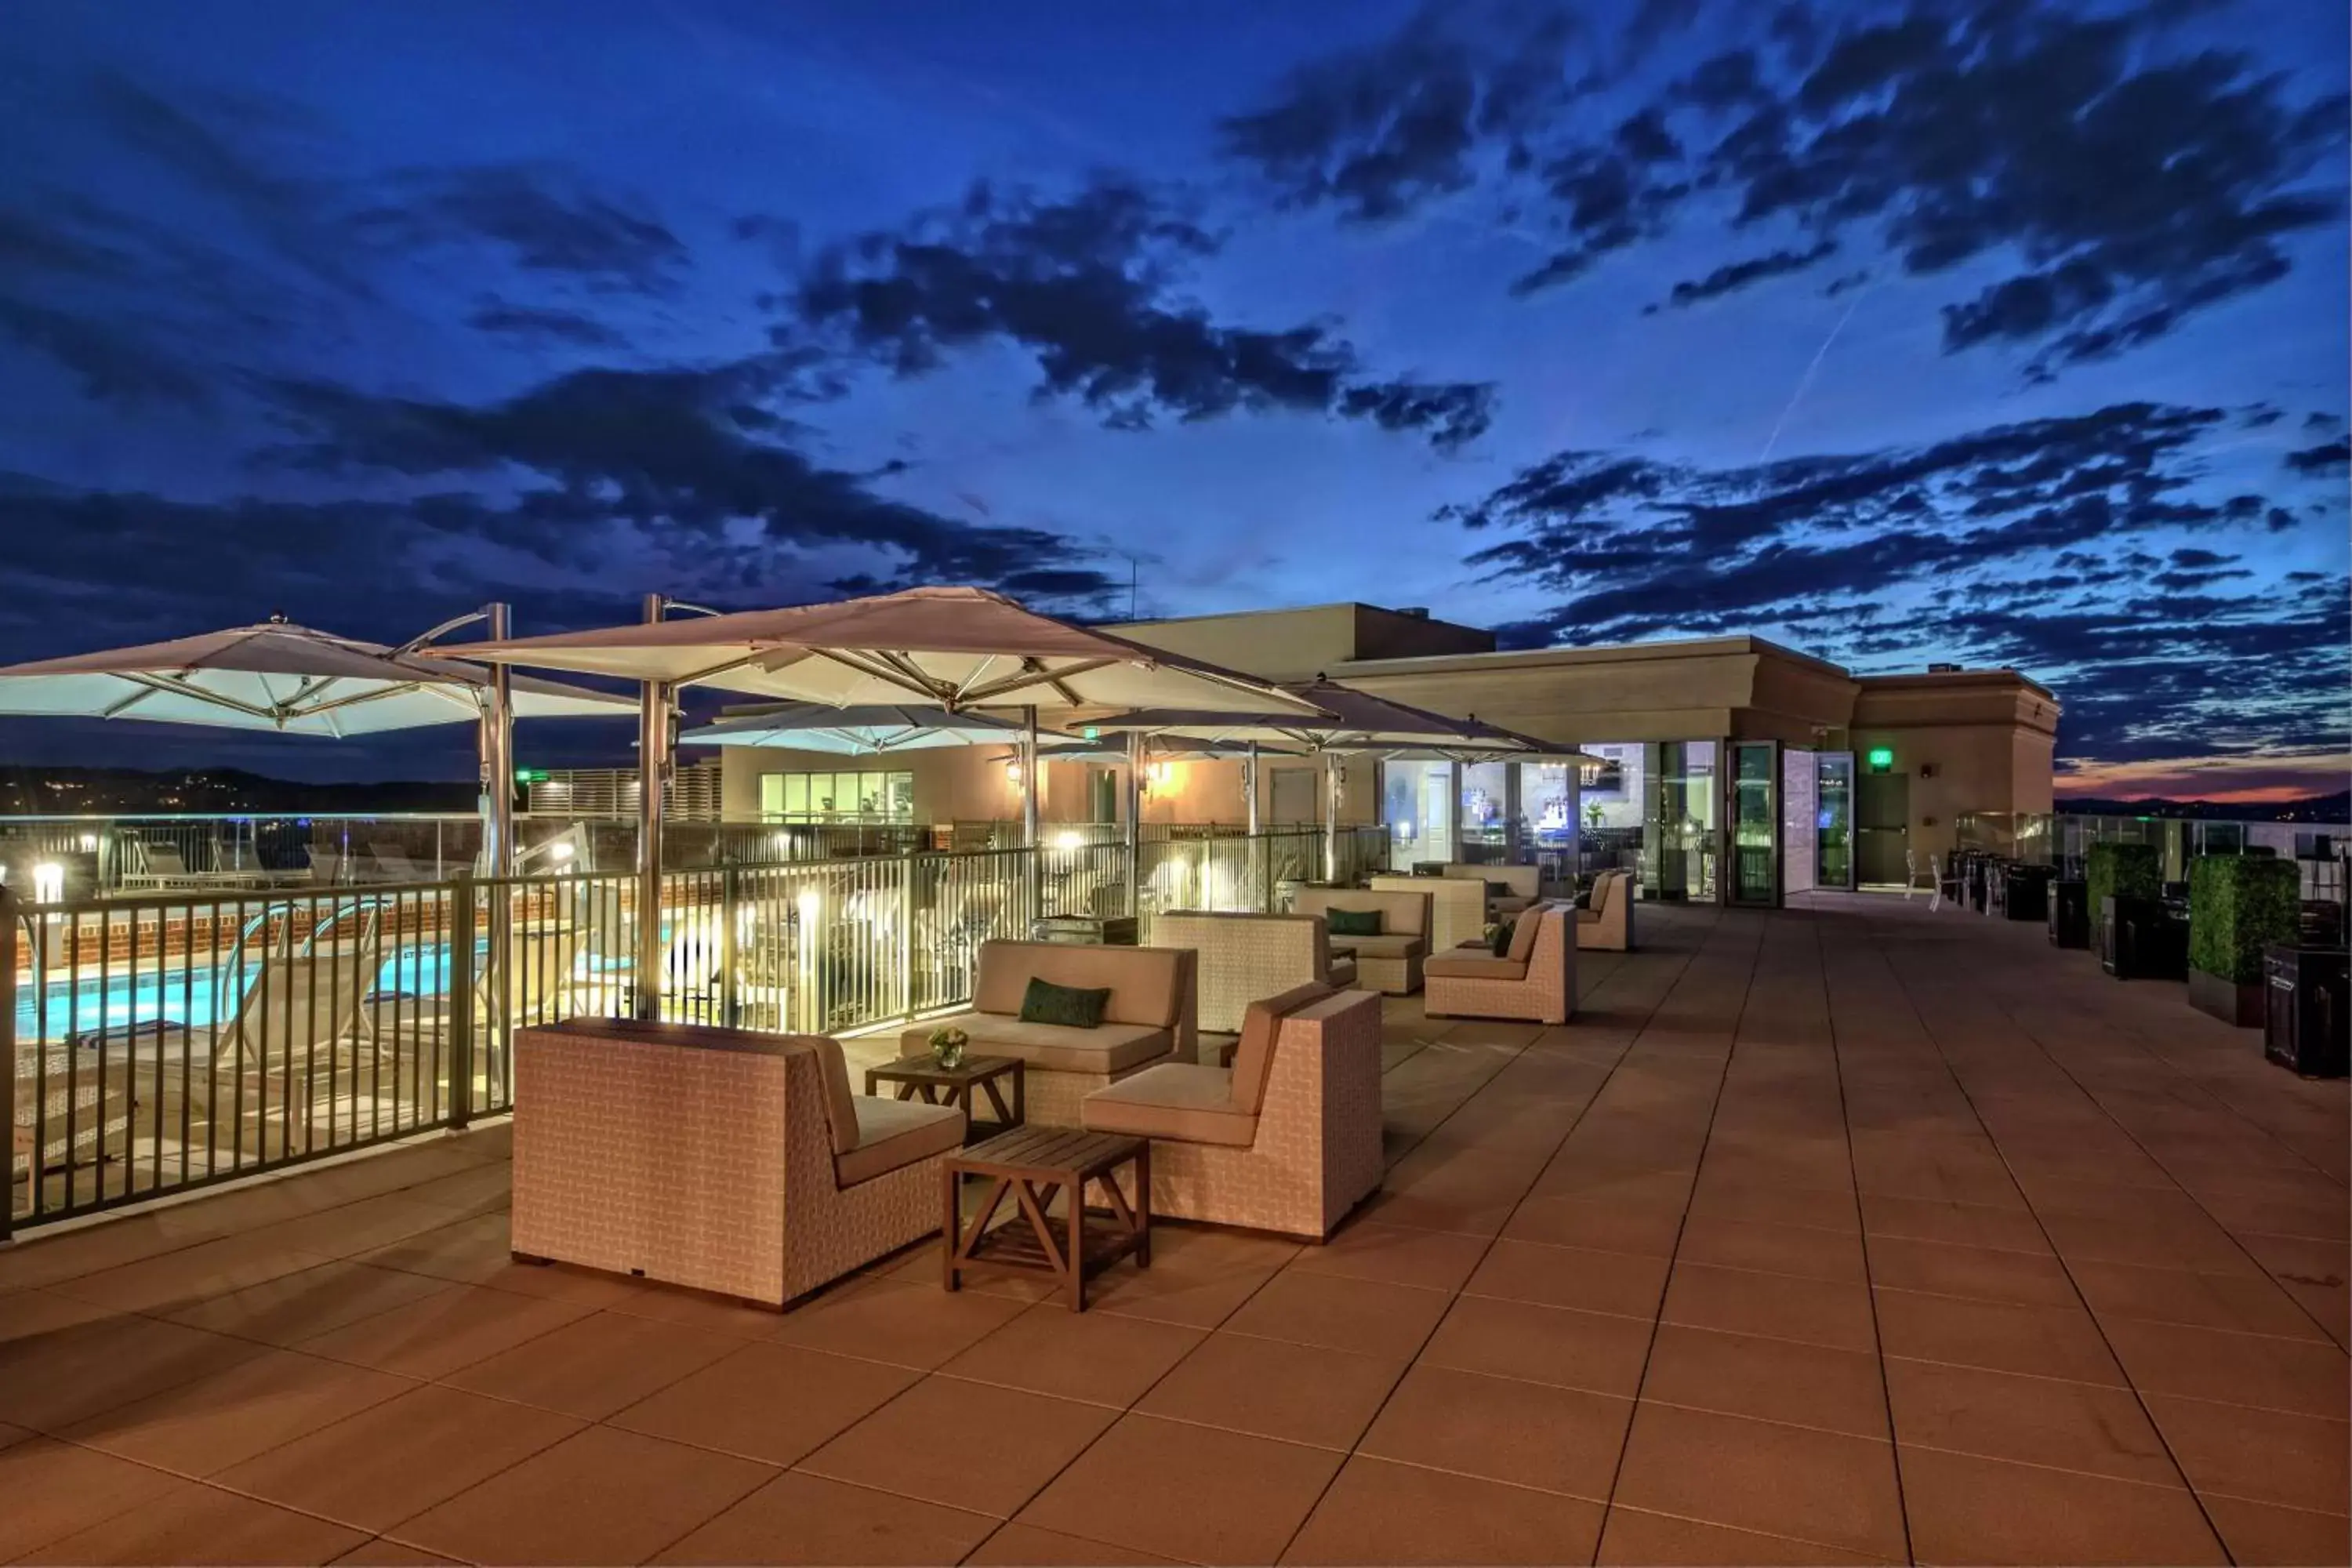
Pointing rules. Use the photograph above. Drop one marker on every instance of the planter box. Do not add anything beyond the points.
(2238, 1005)
(2025, 892)
(2139, 939)
(2307, 1009)
(2070, 914)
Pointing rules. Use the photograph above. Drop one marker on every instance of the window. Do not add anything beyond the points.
(845, 797)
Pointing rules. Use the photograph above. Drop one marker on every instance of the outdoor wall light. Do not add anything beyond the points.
(48, 882)
(1069, 838)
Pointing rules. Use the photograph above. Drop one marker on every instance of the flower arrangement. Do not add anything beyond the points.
(948, 1047)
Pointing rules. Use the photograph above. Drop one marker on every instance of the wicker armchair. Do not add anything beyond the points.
(1606, 923)
(716, 1159)
(1285, 1140)
(1535, 980)
(1243, 957)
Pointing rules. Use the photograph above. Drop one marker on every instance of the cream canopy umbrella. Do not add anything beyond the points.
(1349, 723)
(959, 650)
(868, 730)
(292, 680)
(280, 677)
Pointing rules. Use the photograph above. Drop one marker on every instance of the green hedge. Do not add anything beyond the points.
(2239, 904)
(2123, 871)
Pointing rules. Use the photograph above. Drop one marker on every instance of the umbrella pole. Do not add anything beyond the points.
(498, 755)
(1029, 812)
(1249, 786)
(1134, 821)
(653, 775)
(497, 831)
(1331, 783)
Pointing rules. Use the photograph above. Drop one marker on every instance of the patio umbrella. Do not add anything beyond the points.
(278, 677)
(959, 650)
(291, 679)
(867, 730)
(1349, 723)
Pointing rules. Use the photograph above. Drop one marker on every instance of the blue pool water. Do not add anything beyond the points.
(204, 996)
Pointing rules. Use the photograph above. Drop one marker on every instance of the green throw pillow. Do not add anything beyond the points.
(1501, 945)
(1354, 922)
(1068, 1005)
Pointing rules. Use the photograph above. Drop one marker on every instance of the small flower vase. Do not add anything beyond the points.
(947, 1049)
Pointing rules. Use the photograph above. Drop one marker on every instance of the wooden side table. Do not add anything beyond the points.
(922, 1076)
(1034, 1164)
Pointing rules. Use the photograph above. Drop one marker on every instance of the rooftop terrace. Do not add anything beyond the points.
(1848, 1233)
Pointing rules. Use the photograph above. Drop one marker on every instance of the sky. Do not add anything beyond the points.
(1992, 331)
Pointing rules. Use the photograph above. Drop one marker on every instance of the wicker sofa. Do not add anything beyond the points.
(1241, 957)
(1457, 908)
(722, 1160)
(1391, 961)
(1525, 882)
(1606, 923)
(1149, 1017)
(1285, 1140)
(1535, 980)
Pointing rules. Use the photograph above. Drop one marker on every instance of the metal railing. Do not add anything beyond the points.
(168, 1040)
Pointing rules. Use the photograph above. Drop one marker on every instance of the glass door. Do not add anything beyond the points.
(1833, 820)
(1755, 823)
(1678, 854)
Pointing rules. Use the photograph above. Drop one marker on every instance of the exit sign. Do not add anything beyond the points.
(1880, 758)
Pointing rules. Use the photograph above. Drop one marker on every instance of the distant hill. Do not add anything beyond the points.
(2337, 807)
(43, 791)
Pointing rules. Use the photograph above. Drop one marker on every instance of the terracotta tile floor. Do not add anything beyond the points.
(1847, 1234)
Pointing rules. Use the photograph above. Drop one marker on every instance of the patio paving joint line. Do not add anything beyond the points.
(2139, 1397)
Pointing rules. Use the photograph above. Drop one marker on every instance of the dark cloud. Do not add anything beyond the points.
(113, 365)
(542, 215)
(2139, 181)
(542, 324)
(1375, 133)
(1088, 287)
(1737, 275)
(691, 453)
(2014, 533)
(2328, 458)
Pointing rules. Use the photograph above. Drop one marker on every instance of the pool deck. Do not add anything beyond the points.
(1848, 1233)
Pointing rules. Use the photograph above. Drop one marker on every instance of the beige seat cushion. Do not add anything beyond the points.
(1055, 1048)
(1175, 1099)
(1254, 1058)
(1470, 963)
(840, 1100)
(894, 1134)
(1392, 944)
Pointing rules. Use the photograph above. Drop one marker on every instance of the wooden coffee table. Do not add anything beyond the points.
(1035, 1164)
(922, 1076)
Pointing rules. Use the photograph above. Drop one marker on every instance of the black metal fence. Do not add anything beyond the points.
(168, 1040)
